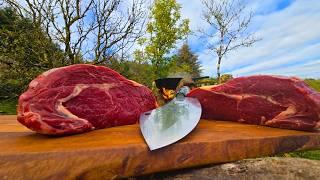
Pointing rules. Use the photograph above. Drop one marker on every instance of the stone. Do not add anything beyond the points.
(278, 168)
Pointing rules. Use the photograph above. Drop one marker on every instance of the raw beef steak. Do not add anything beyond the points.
(274, 101)
(80, 98)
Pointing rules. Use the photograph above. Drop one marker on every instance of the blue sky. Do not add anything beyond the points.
(290, 45)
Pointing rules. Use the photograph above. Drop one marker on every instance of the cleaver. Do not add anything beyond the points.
(169, 123)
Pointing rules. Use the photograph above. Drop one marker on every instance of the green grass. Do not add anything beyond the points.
(314, 83)
(314, 154)
(8, 106)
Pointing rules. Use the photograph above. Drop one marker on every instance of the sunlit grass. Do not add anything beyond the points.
(315, 154)
(315, 84)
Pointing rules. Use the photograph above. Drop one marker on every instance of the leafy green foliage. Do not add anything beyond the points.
(207, 82)
(139, 57)
(139, 72)
(25, 52)
(225, 77)
(185, 61)
(164, 29)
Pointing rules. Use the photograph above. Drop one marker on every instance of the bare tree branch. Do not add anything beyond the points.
(230, 24)
(102, 26)
(116, 29)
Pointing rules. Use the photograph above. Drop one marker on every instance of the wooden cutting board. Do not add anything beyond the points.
(121, 151)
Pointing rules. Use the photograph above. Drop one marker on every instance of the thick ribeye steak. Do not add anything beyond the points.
(274, 101)
(79, 98)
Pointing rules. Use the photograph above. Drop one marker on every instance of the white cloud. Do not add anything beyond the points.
(290, 42)
(289, 57)
(192, 10)
(208, 63)
(306, 70)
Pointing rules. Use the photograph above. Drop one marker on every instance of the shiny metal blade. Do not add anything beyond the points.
(170, 123)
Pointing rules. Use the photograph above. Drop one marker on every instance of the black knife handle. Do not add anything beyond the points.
(198, 78)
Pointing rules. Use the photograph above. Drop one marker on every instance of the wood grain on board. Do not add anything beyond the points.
(121, 151)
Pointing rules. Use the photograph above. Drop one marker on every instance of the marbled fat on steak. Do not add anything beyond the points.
(274, 101)
(80, 98)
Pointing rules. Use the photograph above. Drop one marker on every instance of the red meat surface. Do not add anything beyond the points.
(276, 101)
(80, 98)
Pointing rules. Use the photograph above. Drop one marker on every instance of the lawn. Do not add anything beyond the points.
(314, 83)
(315, 154)
(8, 106)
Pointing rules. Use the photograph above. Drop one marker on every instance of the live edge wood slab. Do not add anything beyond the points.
(122, 152)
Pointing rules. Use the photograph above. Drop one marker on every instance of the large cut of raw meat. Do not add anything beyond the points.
(274, 101)
(79, 98)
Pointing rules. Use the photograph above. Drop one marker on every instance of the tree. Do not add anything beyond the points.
(225, 77)
(139, 57)
(140, 72)
(186, 61)
(25, 51)
(165, 27)
(98, 29)
(230, 23)
(117, 29)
